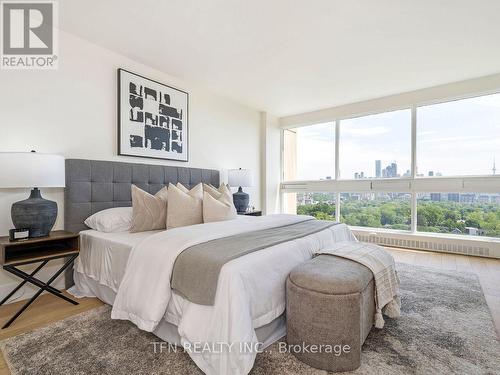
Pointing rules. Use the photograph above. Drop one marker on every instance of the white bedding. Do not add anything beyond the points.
(250, 291)
(103, 256)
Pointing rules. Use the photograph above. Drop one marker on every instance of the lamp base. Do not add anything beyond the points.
(241, 200)
(35, 213)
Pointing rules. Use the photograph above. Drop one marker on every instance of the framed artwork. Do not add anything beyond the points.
(152, 118)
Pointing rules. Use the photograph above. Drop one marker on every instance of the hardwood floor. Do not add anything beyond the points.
(48, 309)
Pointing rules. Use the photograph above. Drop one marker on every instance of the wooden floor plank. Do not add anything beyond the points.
(431, 260)
(463, 264)
(449, 262)
(494, 305)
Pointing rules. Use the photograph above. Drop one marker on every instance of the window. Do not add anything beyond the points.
(376, 210)
(459, 138)
(319, 205)
(459, 213)
(376, 146)
(309, 152)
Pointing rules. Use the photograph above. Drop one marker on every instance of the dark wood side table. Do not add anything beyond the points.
(252, 213)
(59, 244)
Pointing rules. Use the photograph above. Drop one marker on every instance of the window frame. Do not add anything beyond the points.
(412, 184)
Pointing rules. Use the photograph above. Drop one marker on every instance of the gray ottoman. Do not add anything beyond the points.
(329, 312)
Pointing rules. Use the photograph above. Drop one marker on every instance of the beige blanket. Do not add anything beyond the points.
(382, 265)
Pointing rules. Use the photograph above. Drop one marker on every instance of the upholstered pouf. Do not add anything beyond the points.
(329, 312)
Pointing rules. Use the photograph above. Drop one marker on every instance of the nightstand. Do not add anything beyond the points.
(59, 244)
(251, 213)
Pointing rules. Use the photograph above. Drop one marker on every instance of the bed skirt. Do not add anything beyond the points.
(168, 332)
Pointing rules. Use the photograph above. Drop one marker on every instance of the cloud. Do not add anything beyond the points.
(427, 132)
(365, 131)
(467, 139)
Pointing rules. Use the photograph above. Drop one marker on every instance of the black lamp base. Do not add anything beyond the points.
(35, 213)
(241, 200)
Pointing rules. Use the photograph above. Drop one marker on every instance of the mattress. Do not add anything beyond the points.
(103, 256)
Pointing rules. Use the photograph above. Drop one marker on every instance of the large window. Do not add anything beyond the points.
(459, 213)
(377, 146)
(309, 152)
(376, 210)
(458, 140)
(459, 137)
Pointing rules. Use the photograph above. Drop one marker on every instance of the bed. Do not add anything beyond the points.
(132, 272)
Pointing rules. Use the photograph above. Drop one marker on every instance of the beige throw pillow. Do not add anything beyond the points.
(216, 193)
(149, 212)
(212, 190)
(218, 205)
(185, 207)
(182, 187)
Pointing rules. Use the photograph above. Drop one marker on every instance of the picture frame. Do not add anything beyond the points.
(153, 118)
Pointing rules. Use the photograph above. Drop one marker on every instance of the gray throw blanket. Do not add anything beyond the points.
(196, 269)
(383, 267)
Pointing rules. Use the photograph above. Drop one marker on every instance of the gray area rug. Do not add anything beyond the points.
(445, 328)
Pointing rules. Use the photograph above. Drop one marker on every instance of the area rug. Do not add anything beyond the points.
(445, 328)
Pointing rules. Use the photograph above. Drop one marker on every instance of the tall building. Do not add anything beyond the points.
(378, 168)
(390, 171)
(436, 197)
(467, 198)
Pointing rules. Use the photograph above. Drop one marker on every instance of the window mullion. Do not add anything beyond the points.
(413, 213)
(337, 171)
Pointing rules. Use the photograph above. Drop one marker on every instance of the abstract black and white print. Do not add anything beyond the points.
(153, 118)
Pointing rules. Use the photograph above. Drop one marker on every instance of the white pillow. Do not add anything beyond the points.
(185, 207)
(118, 219)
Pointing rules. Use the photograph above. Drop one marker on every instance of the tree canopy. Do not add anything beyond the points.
(440, 217)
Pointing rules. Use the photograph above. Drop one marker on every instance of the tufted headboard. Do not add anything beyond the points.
(93, 185)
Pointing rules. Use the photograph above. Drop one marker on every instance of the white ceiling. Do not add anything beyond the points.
(288, 57)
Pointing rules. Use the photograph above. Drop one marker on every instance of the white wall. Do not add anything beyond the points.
(72, 111)
(271, 134)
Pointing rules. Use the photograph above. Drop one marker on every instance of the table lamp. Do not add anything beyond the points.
(32, 170)
(240, 178)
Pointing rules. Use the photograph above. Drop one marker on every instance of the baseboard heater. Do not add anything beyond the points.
(453, 245)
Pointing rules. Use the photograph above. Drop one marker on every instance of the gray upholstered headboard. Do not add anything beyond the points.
(93, 186)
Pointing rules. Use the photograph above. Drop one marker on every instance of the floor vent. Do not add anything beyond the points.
(455, 246)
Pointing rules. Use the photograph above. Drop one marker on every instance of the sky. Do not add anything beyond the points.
(455, 138)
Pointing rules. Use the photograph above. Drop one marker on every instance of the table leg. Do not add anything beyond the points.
(23, 282)
(43, 286)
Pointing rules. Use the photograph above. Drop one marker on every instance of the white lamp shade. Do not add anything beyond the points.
(240, 177)
(31, 169)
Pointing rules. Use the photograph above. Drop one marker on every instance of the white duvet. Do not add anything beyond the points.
(250, 290)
